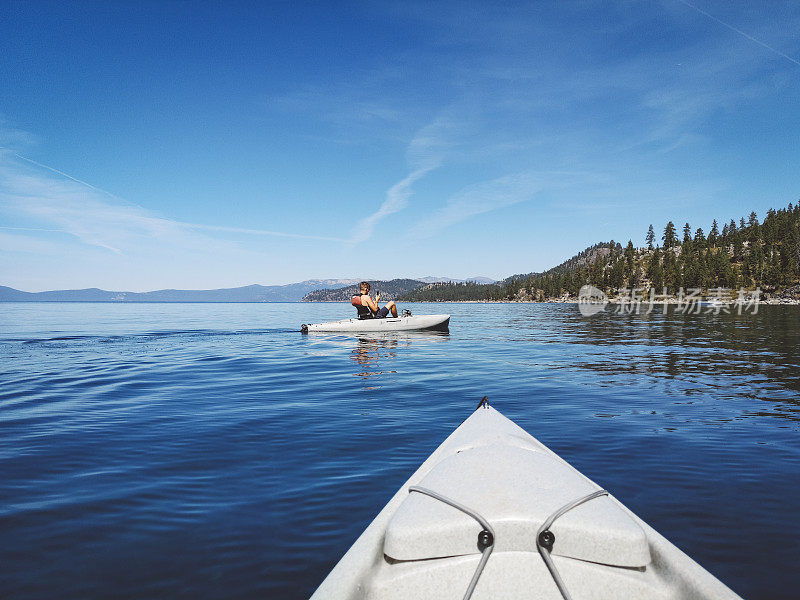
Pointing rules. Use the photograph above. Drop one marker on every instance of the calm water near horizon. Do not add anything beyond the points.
(212, 451)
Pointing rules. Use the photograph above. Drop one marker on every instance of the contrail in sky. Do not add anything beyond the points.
(740, 32)
(67, 175)
(179, 223)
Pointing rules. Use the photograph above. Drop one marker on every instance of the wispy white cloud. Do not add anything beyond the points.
(28, 244)
(78, 210)
(663, 97)
(266, 232)
(479, 199)
(424, 153)
(396, 200)
(13, 138)
(98, 218)
(358, 108)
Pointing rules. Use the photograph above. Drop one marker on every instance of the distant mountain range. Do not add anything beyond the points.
(293, 292)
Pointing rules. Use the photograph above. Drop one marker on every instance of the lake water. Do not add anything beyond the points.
(212, 451)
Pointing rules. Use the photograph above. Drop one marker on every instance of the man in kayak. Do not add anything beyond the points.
(368, 308)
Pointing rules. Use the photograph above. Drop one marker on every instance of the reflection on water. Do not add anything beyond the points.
(725, 356)
(368, 354)
(374, 351)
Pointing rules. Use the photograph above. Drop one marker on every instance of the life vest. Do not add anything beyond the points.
(364, 312)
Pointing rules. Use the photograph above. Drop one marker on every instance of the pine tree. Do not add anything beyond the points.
(669, 236)
(567, 282)
(704, 269)
(769, 230)
(617, 276)
(596, 273)
(720, 267)
(731, 233)
(794, 242)
(757, 264)
(699, 239)
(772, 270)
(733, 274)
(754, 233)
(687, 234)
(654, 271)
(738, 245)
(747, 275)
(713, 235)
(670, 271)
(630, 255)
(650, 237)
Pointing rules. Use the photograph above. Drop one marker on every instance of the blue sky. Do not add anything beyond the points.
(200, 145)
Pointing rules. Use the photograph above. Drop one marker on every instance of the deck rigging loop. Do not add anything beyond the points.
(545, 538)
(485, 537)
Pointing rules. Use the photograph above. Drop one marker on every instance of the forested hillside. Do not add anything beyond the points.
(390, 290)
(746, 254)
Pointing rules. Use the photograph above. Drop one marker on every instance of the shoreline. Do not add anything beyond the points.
(670, 301)
(768, 301)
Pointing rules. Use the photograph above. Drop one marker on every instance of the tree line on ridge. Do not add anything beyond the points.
(745, 254)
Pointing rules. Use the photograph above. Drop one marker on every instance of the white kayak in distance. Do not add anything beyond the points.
(494, 513)
(409, 323)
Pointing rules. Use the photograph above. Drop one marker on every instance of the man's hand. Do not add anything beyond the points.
(378, 297)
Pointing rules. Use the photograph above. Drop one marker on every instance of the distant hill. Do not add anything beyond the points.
(746, 254)
(293, 292)
(453, 290)
(451, 280)
(390, 290)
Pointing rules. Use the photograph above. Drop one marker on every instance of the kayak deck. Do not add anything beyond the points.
(430, 540)
(411, 323)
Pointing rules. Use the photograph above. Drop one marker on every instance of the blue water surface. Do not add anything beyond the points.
(212, 451)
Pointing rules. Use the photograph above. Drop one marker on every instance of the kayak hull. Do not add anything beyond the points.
(413, 323)
(418, 547)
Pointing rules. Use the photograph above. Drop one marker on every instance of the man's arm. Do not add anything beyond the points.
(372, 304)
